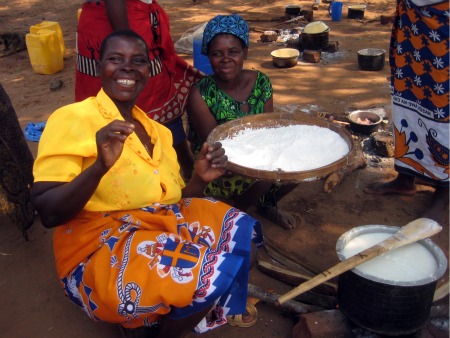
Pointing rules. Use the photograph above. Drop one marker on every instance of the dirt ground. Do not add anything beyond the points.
(34, 304)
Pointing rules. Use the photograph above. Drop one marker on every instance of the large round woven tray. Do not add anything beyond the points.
(267, 120)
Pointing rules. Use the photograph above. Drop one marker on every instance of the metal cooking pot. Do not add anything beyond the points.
(364, 128)
(315, 41)
(285, 57)
(383, 306)
(371, 59)
(356, 11)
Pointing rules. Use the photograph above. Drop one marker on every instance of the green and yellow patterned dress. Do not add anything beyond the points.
(224, 108)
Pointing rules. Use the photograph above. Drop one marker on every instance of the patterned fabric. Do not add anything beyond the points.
(136, 252)
(419, 60)
(172, 260)
(164, 97)
(225, 24)
(16, 168)
(224, 109)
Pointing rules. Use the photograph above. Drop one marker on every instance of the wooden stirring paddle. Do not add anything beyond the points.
(412, 232)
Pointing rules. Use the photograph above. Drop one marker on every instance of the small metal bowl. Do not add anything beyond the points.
(285, 57)
(358, 117)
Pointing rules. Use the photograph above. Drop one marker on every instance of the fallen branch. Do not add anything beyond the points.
(364, 21)
(290, 305)
(294, 20)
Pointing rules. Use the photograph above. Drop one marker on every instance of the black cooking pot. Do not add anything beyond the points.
(371, 59)
(390, 308)
(356, 11)
(292, 9)
(315, 41)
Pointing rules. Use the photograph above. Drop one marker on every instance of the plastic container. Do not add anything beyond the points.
(51, 25)
(335, 10)
(201, 62)
(44, 51)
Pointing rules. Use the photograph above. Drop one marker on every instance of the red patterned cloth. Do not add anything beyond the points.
(165, 95)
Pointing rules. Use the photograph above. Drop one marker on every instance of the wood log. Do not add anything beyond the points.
(382, 143)
(441, 292)
(323, 295)
(357, 161)
(270, 298)
(318, 299)
(302, 265)
(292, 277)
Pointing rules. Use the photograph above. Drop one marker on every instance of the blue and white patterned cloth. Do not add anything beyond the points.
(225, 24)
(419, 59)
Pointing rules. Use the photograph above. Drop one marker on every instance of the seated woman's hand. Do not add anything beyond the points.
(211, 162)
(110, 140)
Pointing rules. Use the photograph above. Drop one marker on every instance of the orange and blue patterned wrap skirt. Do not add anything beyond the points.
(419, 59)
(132, 267)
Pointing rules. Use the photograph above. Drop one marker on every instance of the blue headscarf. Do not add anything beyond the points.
(225, 24)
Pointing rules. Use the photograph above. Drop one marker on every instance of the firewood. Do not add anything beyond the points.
(357, 161)
(294, 278)
(270, 298)
(441, 292)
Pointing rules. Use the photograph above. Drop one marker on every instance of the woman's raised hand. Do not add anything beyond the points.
(110, 140)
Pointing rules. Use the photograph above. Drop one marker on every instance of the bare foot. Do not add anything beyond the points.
(282, 218)
(402, 185)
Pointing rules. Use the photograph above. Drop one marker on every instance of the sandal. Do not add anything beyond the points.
(251, 311)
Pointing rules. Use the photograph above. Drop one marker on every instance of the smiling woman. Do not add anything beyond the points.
(107, 177)
(233, 92)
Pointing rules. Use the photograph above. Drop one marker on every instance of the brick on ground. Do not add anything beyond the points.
(323, 324)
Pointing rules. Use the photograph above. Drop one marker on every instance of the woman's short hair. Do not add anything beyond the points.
(126, 33)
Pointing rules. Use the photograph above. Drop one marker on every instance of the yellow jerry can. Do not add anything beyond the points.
(44, 51)
(51, 25)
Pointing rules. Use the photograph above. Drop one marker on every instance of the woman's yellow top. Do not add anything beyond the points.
(68, 146)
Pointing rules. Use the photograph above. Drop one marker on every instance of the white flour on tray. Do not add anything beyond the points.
(289, 148)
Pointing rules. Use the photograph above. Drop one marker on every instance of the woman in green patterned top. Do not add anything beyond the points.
(230, 93)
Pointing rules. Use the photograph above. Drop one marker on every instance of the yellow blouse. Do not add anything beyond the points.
(68, 146)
